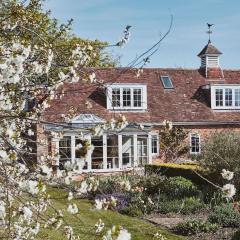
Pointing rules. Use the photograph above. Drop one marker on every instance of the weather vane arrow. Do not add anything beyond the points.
(209, 32)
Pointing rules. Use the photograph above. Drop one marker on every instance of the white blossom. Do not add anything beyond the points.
(29, 186)
(46, 170)
(30, 132)
(229, 190)
(2, 210)
(70, 196)
(168, 124)
(117, 233)
(72, 208)
(99, 226)
(92, 78)
(27, 213)
(227, 174)
(99, 203)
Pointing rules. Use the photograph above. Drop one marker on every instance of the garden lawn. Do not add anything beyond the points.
(83, 223)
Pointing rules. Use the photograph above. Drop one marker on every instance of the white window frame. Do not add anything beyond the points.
(158, 147)
(131, 87)
(223, 87)
(199, 137)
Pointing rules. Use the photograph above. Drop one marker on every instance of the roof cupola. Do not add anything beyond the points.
(209, 55)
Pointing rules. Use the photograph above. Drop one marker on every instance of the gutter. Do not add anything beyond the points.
(206, 123)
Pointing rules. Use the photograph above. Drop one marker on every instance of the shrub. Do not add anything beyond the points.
(132, 210)
(173, 169)
(236, 235)
(180, 187)
(184, 206)
(152, 184)
(195, 226)
(222, 151)
(122, 200)
(225, 215)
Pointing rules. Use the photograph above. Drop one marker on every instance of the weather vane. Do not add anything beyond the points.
(209, 32)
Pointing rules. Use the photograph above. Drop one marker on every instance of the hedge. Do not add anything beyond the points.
(173, 169)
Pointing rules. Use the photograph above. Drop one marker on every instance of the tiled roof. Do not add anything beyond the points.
(187, 102)
(209, 49)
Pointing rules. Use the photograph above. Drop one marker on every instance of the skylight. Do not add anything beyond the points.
(167, 82)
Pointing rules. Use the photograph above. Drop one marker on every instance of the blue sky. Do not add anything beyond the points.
(106, 19)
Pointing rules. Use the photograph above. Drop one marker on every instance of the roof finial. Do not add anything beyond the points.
(209, 31)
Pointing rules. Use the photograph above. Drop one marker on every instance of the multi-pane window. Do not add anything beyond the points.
(154, 144)
(127, 97)
(137, 97)
(226, 97)
(116, 97)
(219, 97)
(195, 143)
(65, 148)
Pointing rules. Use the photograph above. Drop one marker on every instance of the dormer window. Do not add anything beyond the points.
(126, 97)
(225, 96)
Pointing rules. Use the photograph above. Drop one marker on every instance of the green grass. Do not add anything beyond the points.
(83, 223)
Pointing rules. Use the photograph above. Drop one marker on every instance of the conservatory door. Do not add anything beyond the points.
(142, 150)
(127, 151)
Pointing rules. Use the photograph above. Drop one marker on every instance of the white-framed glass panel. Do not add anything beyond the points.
(142, 151)
(194, 143)
(64, 150)
(237, 97)
(97, 155)
(127, 151)
(228, 97)
(137, 97)
(225, 96)
(126, 95)
(155, 144)
(79, 150)
(112, 151)
(219, 97)
(116, 97)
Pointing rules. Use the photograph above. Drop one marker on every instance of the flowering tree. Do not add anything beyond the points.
(36, 57)
(172, 142)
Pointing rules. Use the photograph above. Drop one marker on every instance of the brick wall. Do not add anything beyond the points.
(205, 134)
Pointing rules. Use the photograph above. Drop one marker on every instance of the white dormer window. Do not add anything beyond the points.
(225, 96)
(126, 97)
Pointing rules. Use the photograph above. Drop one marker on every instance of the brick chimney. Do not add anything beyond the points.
(210, 67)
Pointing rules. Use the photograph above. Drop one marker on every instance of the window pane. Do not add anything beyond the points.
(154, 144)
(237, 97)
(112, 151)
(166, 81)
(228, 97)
(219, 97)
(137, 97)
(127, 151)
(97, 155)
(195, 143)
(142, 150)
(116, 97)
(65, 148)
(127, 97)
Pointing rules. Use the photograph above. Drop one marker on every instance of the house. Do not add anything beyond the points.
(203, 100)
